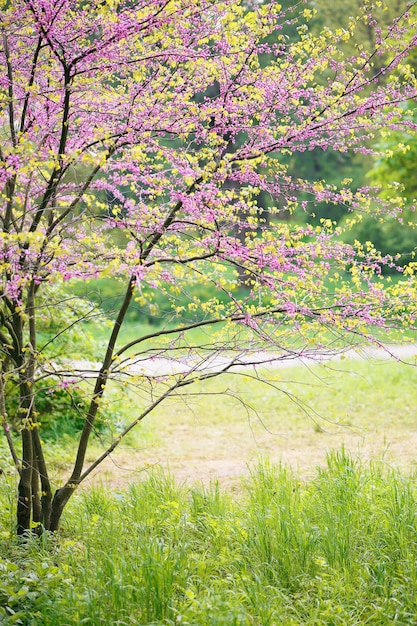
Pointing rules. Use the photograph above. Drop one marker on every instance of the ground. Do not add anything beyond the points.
(367, 405)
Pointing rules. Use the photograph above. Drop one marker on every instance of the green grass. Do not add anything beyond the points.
(338, 549)
(326, 546)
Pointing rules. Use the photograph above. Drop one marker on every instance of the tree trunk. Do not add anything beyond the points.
(24, 498)
(61, 498)
(36, 501)
(46, 493)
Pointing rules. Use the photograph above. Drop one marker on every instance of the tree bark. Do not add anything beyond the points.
(46, 492)
(36, 500)
(24, 498)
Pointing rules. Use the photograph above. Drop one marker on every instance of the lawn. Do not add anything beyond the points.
(217, 429)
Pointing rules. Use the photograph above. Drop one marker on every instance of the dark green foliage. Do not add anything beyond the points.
(394, 173)
(26, 586)
(397, 164)
(389, 236)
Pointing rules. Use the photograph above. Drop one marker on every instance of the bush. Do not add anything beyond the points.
(59, 410)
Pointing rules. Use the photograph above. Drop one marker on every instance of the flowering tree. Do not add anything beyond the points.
(135, 139)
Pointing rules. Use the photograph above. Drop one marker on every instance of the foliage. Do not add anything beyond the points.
(339, 549)
(389, 236)
(136, 139)
(369, 18)
(107, 295)
(393, 166)
(59, 410)
(22, 591)
(393, 172)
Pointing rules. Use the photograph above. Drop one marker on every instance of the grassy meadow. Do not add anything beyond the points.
(288, 502)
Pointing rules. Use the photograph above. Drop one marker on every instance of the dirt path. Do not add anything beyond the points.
(200, 445)
(159, 366)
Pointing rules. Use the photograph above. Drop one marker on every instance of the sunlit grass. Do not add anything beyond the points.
(337, 549)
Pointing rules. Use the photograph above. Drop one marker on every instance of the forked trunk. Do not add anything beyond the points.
(59, 501)
(34, 490)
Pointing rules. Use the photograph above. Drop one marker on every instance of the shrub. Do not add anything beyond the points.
(60, 410)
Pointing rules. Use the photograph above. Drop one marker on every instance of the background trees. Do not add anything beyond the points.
(136, 140)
